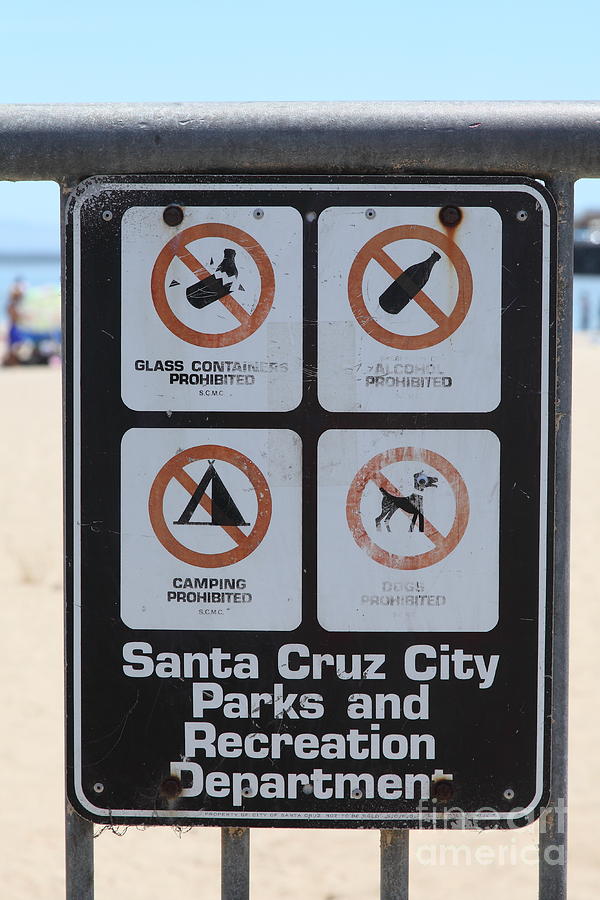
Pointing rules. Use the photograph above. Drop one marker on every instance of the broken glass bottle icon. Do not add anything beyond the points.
(206, 291)
(407, 285)
(227, 264)
(213, 287)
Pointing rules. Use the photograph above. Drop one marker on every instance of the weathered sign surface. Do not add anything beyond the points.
(310, 481)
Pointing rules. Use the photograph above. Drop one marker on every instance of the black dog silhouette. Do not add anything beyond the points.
(413, 504)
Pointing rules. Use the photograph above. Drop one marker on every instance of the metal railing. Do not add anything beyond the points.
(553, 142)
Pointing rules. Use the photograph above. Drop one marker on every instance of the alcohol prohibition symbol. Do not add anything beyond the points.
(220, 506)
(375, 250)
(393, 500)
(178, 247)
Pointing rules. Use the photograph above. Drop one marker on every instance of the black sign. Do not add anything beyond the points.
(309, 488)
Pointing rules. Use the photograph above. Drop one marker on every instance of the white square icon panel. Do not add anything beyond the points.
(207, 515)
(211, 312)
(403, 302)
(408, 530)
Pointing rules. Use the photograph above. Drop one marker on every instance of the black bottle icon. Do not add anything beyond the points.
(406, 286)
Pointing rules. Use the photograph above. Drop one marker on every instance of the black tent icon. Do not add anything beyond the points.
(224, 509)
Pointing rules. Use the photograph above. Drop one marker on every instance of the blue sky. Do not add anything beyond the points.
(118, 51)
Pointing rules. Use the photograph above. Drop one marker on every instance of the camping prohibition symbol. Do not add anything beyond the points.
(178, 247)
(445, 325)
(372, 471)
(220, 506)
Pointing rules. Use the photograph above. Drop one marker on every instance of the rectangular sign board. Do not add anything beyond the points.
(309, 500)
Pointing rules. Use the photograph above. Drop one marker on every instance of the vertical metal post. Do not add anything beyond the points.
(79, 847)
(394, 864)
(79, 833)
(553, 822)
(235, 863)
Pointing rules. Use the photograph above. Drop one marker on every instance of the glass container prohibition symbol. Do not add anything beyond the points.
(179, 247)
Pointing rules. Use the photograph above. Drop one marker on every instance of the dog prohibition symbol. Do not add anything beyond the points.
(413, 505)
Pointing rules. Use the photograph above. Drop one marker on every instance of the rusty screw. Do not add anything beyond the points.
(450, 216)
(171, 787)
(442, 791)
(173, 215)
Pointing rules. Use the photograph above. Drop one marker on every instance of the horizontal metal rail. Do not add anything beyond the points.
(58, 142)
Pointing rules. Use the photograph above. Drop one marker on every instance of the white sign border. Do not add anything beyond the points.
(92, 187)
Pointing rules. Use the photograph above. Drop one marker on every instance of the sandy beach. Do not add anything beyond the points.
(159, 861)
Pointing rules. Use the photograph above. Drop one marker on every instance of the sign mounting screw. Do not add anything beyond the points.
(370, 213)
(171, 787)
(522, 215)
(173, 215)
(98, 787)
(450, 216)
(107, 215)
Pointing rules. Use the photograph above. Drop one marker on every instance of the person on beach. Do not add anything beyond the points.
(15, 298)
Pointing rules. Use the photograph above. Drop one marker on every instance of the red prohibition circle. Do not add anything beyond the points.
(178, 246)
(174, 468)
(447, 324)
(443, 544)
